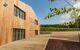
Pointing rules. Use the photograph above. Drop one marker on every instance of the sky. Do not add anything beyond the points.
(41, 9)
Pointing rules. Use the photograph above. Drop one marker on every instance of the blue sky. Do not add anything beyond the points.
(41, 8)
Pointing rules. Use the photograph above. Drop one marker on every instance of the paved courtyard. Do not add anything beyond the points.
(70, 35)
(35, 43)
(40, 42)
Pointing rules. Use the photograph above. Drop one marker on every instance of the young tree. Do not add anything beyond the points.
(73, 10)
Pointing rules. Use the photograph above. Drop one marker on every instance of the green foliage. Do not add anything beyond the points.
(58, 29)
(74, 12)
(69, 26)
(57, 11)
(53, 12)
(69, 23)
(49, 16)
(55, 26)
(75, 0)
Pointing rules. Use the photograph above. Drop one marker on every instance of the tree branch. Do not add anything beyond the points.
(68, 3)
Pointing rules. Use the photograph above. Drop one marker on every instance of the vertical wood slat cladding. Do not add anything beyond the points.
(8, 20)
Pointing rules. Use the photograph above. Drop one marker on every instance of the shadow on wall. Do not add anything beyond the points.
(55, 44)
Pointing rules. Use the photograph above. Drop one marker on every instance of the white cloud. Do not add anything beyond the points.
(66, 17)
(77, 5)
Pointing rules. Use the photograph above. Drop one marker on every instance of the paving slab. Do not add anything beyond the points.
(40, 42)
(36, 43)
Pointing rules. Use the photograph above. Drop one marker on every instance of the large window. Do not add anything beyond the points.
(18, 34)
(19, 13)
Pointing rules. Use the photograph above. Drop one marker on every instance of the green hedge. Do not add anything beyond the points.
(55, 25)
(58, 29)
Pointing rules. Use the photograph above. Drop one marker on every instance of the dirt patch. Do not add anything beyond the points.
(55, 44)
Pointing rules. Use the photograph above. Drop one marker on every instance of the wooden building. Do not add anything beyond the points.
(17, 21)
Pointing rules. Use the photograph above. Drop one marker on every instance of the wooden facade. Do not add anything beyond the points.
(8, 20)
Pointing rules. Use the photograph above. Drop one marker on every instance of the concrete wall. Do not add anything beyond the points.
(8, 20)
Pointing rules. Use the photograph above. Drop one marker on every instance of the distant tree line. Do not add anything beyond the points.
(55, 26)
(69, 26)
(64, 25)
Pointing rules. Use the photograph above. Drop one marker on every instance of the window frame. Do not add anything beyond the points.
(17, 12)
(18, 34)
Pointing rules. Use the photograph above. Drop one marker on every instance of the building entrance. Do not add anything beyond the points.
(18, 34)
